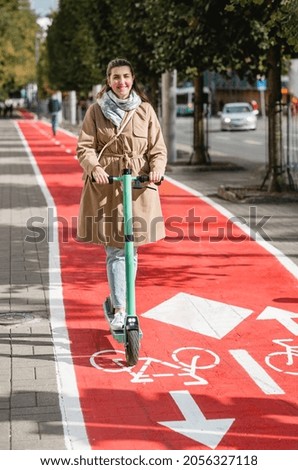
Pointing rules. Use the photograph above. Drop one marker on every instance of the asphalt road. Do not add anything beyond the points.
(243, 145)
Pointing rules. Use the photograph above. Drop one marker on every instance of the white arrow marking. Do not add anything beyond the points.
(195, 426)
(285, 317)
(204, 316)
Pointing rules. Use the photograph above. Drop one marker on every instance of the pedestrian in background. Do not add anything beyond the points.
(8, 107)
(54, 106)
(254, 105)
(124, 125)
(2, 107)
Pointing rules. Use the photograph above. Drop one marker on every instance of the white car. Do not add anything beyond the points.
(238, 116)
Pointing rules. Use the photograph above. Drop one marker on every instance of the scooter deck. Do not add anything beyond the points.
(119, 335)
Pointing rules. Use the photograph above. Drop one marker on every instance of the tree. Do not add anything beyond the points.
(72, 48)
(194, 36)
(277, 39)
(131, 21)
(18, 29)
(247, 36)
(95, 32)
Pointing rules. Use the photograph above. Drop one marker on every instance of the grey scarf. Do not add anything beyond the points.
(114, 108)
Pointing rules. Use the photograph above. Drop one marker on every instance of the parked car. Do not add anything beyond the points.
(238, 116)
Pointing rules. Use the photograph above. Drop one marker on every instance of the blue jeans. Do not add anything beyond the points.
(116, 274)
(54, 118)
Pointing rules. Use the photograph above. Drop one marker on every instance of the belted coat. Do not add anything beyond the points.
(141, 148)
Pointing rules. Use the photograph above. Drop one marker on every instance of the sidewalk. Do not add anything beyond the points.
(29, 401)
(29, 398)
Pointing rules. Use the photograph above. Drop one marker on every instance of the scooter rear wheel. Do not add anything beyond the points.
(132, 347)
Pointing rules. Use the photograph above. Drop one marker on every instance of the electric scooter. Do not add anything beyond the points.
(131, 334)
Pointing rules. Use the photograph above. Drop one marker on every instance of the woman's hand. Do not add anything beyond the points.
(155, 176)
(100, 176)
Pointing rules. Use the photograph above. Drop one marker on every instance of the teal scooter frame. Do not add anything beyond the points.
(131, 334)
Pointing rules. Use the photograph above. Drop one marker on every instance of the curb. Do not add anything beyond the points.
(253, 194)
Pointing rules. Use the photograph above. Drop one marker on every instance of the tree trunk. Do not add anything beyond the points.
(275, 151)
(152, 93)
(169, 85)
(200, 155)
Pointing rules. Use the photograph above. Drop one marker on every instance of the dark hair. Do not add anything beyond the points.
(118, 62)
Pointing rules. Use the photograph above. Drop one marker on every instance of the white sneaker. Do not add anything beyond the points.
(118, 321)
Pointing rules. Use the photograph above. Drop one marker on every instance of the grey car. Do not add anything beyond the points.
(238, 116)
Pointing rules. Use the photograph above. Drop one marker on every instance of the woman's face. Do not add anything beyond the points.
(121, 81)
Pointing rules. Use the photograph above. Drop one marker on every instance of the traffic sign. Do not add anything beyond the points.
(262, 84)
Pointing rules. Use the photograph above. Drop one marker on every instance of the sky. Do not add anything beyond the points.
(44, 7)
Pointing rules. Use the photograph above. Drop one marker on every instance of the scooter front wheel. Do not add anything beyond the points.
(132, 347)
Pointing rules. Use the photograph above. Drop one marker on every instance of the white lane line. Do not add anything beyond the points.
(256, 372)
(75, 434)
(290, 266)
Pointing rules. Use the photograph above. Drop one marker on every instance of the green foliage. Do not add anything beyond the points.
(17, 45)
(72, 48)
(92, 32)
(155, 35)
(220, 35)
(159, 35)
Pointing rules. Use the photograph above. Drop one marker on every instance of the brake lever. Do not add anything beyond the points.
(137, 185)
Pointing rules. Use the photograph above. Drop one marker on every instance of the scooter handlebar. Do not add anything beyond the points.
(141, 178)
(144, 178)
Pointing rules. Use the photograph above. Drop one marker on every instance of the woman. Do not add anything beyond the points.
(123, 128)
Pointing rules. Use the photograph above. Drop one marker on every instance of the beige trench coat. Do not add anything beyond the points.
(139, 147)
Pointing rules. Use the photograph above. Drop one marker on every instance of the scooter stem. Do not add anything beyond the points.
(129, 243)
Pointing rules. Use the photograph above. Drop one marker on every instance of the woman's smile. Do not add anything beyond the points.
(121, 81)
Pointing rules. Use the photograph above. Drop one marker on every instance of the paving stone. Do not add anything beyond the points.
(32, 361)
(22, 350)
(4, 417)
(40, 444)
(46, 372)
(21, 428)
(5, 403)
(37, 413)
(23, 374)
(5, 388)
(5, 443)
(35, 385)
(23, 399)
(5, 433)
(51, 429)
(47, 399)
(5, 348)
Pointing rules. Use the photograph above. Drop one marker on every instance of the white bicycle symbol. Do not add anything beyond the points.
(283, 361)
(186, 362)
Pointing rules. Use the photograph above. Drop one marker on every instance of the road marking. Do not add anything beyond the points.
(252, 142)
(290, 266)
(204, 316)
(184, 147)
(73, 422)
(284, 317)
(198, 359)
(256, 372)
(103, 435)
(195, 426)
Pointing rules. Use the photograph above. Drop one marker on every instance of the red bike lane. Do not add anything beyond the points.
(217, 365)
